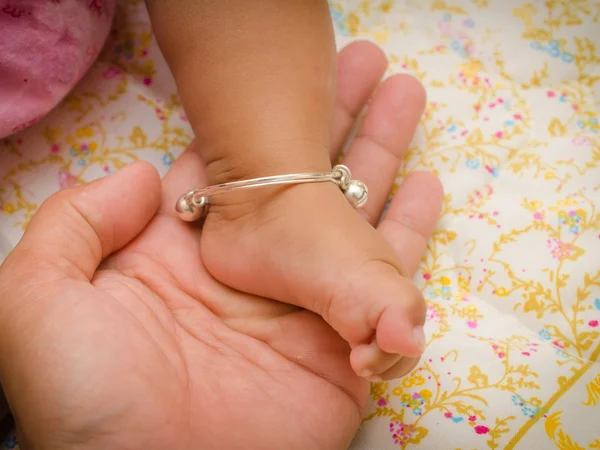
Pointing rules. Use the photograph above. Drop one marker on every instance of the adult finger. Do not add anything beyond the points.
(412, 217)
(375, 155)
(361, 65)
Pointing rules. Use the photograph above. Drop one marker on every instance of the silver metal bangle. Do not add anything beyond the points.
(194, 204)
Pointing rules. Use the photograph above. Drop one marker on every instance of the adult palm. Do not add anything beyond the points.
(113, 334)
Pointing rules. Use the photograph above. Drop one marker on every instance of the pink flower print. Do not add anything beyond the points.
(432, 313)
(448, 415)
(66, 179)
(382, 402)
(580, 140)
(471, 324)
(551, 94)
(538, 216)
(472, 418)
(401, 433)
(501, 355)
(54, 148)
(481, 429)
(499, 134)
(112, 72)
(593, 323)
(159, 114)
(558, 249)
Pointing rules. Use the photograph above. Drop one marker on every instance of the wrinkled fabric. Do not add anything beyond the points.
(511, 275)
(46, 46)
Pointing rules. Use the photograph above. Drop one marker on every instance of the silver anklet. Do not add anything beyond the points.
(193, 205)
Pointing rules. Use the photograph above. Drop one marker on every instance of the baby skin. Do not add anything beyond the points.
(259, 89)
(258, 82)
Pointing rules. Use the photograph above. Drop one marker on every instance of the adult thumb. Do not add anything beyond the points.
(76, 228)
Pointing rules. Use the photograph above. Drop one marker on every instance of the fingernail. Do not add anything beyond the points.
(419, 338)
(365, 373)
(375, 379)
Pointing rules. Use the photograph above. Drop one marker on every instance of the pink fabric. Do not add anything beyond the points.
(45, 48)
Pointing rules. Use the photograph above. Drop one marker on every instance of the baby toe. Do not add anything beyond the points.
(378, 302)
(369, 361)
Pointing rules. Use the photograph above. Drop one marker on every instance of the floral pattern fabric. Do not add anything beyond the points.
(512, 274)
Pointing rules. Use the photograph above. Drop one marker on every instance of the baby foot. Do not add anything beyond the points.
(305, 245)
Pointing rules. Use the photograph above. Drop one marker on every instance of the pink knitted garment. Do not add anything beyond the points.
(45, 48)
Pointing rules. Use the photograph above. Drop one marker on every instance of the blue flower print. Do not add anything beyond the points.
(545, 334)
(472, 163)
